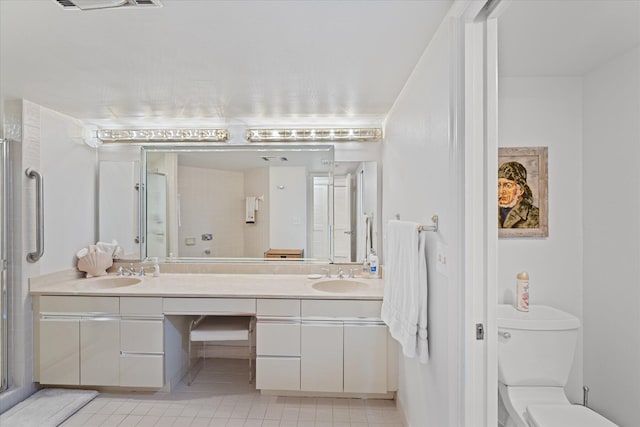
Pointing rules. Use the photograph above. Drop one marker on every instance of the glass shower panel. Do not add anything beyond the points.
(3, 270)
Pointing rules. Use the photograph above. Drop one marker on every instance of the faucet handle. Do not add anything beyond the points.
(142, 273)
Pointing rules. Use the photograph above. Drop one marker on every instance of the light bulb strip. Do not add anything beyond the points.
(311, 134)
(163, 135)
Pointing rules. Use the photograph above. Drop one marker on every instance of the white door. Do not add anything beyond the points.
(100, 351)
(342, 218)
(321, 356)
(321, 219)
(480, 201)
(59, 351)
(365, 358)
(157, 215)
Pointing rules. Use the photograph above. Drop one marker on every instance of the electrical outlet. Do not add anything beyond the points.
(441, 258)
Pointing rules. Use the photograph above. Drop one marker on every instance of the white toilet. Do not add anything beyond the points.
(535, 354)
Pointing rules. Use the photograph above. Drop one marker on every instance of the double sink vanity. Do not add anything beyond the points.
(313, 336)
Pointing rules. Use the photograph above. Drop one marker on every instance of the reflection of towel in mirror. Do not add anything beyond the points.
(404, 305)
(250, 216)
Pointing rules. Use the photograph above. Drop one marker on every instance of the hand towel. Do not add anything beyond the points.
(404, 305)
(250, 216)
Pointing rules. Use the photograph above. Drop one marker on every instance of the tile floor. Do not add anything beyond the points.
(221, 396)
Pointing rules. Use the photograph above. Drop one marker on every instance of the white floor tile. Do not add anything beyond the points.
(221, 396)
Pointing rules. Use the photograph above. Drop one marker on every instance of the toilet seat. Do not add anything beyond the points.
(565, 416)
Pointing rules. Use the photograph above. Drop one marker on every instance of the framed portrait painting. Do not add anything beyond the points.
(522, 192)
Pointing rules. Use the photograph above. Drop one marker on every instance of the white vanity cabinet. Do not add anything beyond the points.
(79, 340)
(323, 346)
(100, 341)
(344, 347)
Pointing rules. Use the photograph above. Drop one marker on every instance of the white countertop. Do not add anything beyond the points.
(210, 285)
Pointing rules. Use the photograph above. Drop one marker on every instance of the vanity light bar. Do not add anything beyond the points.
(163, 135)
(312, 135)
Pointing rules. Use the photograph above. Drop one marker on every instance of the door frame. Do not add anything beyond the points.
(478, 124)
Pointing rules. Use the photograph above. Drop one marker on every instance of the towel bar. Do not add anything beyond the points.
(433, 227)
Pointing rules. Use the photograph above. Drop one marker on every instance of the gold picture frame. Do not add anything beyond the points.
(523, 192)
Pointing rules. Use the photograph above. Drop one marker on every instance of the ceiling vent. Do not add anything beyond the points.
(106, 4)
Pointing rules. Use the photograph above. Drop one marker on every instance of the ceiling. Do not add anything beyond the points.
(215, 60)
(564, 37)
(259, 61)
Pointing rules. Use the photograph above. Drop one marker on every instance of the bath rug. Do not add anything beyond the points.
(48, 407)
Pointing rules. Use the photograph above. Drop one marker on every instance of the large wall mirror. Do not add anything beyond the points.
(243, 202)
(239, 202)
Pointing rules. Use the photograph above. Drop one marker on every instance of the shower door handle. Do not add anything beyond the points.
(37, 254)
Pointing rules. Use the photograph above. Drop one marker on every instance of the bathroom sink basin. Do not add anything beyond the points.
(112, 282)
(339, 286)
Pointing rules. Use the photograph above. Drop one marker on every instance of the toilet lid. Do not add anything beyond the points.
(565, 416)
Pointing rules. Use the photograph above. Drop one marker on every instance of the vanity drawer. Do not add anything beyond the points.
(141, 370)
(278, 307)
(341, 308)
(141, 336)
(141, 306)
(209, 305)
(90, 305)
(278, 373)
(278, 339)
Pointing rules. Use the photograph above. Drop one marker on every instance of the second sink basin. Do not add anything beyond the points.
(339, 286)
(112, 282)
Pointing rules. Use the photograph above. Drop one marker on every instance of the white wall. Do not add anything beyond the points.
(69, 168)
(611, 212)
(211, 201)
(256, 235)
(548, 112)
(288, 208)
(50, 143)
(419, 160)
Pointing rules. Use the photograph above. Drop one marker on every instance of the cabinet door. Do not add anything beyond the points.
(278, 373)
(60, 351)
(365, 358)
(321, 356)
(142, 336)
(141, 370)
(278, 339)
(100, 351)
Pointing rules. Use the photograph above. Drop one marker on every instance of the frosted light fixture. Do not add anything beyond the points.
(314, 135)
(163, 135)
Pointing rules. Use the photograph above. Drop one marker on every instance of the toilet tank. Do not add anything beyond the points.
(535, 348)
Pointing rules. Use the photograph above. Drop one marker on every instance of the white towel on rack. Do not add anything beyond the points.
(250, 217)
(404, 305)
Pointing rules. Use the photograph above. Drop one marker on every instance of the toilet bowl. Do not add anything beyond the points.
(535, 354)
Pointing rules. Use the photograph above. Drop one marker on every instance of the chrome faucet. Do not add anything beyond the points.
(340, 273)
(129, 271)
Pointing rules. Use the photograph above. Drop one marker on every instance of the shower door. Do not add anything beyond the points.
(3, 270)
